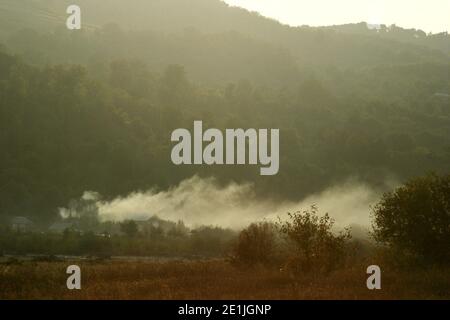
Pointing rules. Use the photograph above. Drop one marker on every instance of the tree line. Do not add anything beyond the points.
(64, 131)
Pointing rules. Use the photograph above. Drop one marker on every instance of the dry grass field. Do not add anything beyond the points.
(213, 279)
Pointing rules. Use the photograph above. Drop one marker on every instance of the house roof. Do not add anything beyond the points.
(61, 226)
(21, 220)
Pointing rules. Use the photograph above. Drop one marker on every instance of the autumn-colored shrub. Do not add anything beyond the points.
(256, 245)
(314, 246)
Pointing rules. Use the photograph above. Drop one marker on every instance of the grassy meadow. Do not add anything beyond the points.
(210, 279)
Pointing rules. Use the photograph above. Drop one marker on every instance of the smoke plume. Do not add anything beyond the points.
(199, 201)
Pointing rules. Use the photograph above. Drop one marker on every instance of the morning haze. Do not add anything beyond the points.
(240, 146)
(430, 16)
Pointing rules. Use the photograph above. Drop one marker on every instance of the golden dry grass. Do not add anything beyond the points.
(212, 279)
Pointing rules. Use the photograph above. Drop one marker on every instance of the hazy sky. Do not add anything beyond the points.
(428, 15)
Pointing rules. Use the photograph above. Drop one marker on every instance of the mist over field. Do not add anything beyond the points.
(198, 201)
(133, 133)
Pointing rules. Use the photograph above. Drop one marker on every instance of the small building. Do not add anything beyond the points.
(158, 225)
(62, 226)
(21, 224)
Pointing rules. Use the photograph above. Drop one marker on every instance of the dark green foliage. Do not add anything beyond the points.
(211, 240)
(129, 228)
(414, 220)
(63, 133)
(199, 242)
(94, 110)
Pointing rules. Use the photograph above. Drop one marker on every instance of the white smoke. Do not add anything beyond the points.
(90, 196)
(199, 201)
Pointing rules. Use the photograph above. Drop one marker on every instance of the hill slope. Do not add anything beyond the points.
(344, 46)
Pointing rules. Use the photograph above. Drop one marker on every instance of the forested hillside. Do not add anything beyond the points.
(213, 41)
(94, 109)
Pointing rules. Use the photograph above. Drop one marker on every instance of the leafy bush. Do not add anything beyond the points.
(256, 245)
(314, 246)
(129, 228)
(210, 240)
(414, 220)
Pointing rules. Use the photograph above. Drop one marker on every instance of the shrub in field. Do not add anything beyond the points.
(314, 247)
(414, 220)
(129, 228)
(256, 245)
(208, 240)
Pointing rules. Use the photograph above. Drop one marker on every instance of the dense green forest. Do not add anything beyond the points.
(94, 109)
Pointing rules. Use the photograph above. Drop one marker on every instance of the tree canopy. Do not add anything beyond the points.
(94, 109)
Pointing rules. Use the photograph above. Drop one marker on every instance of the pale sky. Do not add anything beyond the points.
(428, 15)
